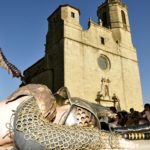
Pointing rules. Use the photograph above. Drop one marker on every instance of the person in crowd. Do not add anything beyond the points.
(133, 118)
(147, 112)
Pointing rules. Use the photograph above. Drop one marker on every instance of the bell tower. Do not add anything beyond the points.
(113, 14)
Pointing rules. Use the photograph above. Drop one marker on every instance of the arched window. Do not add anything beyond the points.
(104, 19)
(123, 19)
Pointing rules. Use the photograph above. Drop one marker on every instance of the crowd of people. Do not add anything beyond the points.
(125, 119)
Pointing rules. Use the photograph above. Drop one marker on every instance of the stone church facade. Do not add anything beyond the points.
(99, 63)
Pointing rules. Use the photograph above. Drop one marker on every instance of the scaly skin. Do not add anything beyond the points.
(30, 125)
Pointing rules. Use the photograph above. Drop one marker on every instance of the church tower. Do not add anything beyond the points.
(113, 15)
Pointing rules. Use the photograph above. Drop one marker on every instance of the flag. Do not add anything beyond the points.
(8, 66)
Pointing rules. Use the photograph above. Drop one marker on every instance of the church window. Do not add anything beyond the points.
(102, 40)
(72, 14)
(104, 62)
(123, 19)
(104, 19)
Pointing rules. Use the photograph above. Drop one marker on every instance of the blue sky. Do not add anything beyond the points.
(23, 28)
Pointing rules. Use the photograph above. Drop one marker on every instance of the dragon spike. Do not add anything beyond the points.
(12, 69)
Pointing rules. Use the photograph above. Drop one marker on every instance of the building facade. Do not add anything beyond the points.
(99, 63)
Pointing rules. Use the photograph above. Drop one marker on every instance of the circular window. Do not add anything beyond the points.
(104, 62)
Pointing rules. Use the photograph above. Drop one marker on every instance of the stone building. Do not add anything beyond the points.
(99, 63)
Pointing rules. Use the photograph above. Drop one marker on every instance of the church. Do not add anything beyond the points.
(98, 64)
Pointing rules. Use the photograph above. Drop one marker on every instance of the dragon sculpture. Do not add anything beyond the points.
(43, 121)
